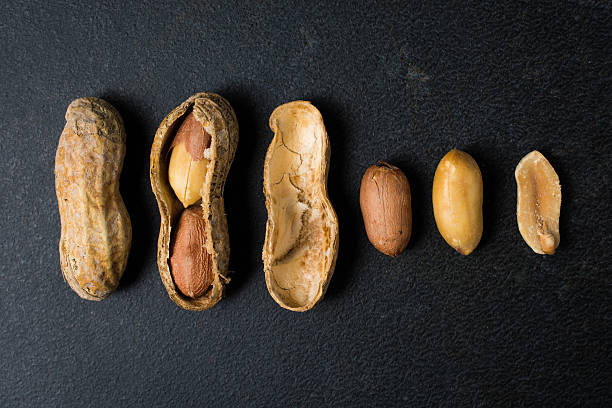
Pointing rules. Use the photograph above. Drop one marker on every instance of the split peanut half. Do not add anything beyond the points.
(301, 243)
(538, 203)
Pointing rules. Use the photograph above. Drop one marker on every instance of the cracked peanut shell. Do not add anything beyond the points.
(301, 243)
(95, 226)
(538, 203)
(217, 117)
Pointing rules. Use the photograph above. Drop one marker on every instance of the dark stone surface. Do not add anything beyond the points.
(396, 81)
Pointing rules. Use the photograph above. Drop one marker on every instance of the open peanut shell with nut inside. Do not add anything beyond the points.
(194, 202)
(301, 242)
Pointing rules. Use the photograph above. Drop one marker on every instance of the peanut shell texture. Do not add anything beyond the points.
(96, 232)
(301, 242)
(191, 155)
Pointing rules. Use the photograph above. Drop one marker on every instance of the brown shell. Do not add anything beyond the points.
(96, 232)
(219, 120)
(301, 244)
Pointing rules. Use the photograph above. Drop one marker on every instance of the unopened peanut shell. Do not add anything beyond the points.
(96, 233)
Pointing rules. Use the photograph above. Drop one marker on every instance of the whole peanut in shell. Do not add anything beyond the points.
(95, 226)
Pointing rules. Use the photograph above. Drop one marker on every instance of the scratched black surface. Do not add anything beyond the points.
(401, 81)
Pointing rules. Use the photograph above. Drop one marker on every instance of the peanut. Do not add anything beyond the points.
(538, 203)
(457, 201)
(386, 208)
(190, 263)
(188, 165)
(95, 227)
(191, 155)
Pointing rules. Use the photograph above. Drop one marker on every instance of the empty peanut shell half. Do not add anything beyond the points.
(191, 155)
(96, 232)
(301, 242)
(538, 203)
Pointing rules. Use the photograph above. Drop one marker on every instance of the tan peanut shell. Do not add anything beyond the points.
(95, 226)
(538, 203)
(219, 120)
(457, 201)
(301, 243)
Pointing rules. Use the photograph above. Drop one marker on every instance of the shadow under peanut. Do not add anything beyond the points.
(244, 199)
(136, 192)
(349, 215)
(494, 183)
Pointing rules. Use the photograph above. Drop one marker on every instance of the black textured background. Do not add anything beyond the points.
(404, 82)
